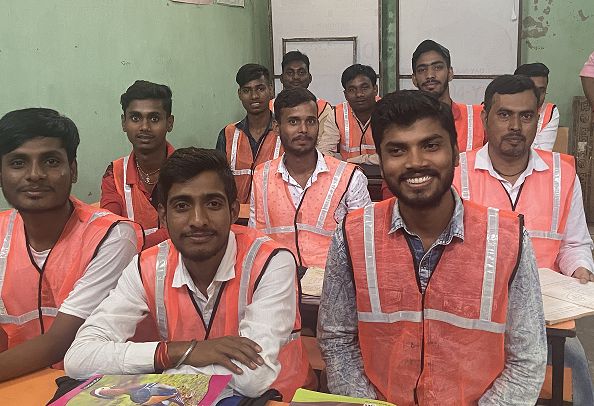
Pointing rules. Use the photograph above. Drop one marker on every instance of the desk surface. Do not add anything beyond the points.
(33, 389)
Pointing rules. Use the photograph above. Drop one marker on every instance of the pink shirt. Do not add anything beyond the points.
(588, 69)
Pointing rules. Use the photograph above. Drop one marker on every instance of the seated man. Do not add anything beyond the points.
(225, 292)
(548, 113)
(349, 135)
(298, 198)
(250, 141)
(421, 305)
(296, 73)
(508, 174)
(128, 185)
(60, 256)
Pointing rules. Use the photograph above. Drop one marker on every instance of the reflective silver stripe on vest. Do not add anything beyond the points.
(160, 272)
(545, 234)
(96, 215)
(369, 242)
(27, 317)
(277, 147)
(404, 315)
(541, 114)
(246, 271)
(470, 130)
(233, 164)
(4, 256)
(265, 175)
(300, 226)
(463, 322)
(465, 192)
(347, 127)
(490, 263)
(128, 192)
(556, 192)
(326, 206)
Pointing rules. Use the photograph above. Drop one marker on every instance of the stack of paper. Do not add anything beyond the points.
(312, 281)
(565, 298)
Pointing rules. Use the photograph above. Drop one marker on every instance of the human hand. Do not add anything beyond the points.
(583, 275)
(223, 350)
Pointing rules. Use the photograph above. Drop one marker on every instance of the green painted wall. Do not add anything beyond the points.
(78, 56)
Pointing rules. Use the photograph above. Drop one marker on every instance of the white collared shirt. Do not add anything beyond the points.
(545, 138)
(356, 196)
(100, 346)
(576, 247)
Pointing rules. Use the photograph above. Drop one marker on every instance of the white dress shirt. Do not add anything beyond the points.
(100, 345)
(545, 139)
(576, 247)
(356, 196)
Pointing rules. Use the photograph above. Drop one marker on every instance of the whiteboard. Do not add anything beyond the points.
(312, 20)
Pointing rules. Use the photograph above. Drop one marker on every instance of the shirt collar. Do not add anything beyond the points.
(483, 162)
(320, 167)
(225, 271)
(244, 126)
(455, 228)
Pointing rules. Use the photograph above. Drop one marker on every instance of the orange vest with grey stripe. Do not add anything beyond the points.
(545, 115)
(242, 161)
(445, 346)
(353, 142)
(544, 199)
(31, 297)
(469, 127)
(177, 318)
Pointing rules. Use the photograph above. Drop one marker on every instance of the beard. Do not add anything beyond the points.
(422, 199)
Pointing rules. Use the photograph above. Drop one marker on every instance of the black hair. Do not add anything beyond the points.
(251, 71)
(186, 163)
(533, 70)
(406, 107)
(291, 98)
(20, 126)
(508, 84)
(355, 70)
(430, 45)
(143, 90)
(293, 56)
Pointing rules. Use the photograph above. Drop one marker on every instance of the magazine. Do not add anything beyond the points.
(150, 389)
(304, 397)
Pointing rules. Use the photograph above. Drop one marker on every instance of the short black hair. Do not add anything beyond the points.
(293, 56)
(143, 90)
(430, 45)
(531, 70)
(291, 98)
(251, 71)
(406, 107)
(355, 70)
(20, 126)
(508, 84)
(186, 163)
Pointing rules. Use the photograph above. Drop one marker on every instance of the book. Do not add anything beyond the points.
(149, 389)
(564, 298)
(304, 397)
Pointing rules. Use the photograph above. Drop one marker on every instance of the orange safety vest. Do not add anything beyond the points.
(31, 297)
(545, 115)
(138, 208)
(544, 200)
(469, 126)
(445, 346)
(242, 161)
(313, 224)
(353, 142)
(320, 102)
(178, 320)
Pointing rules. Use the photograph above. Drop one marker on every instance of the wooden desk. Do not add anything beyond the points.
(556, 336)
(33, 389)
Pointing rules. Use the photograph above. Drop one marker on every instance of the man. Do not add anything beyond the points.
(298, 198)
(548, 113)
(128, 185)
(250, 141)
(349, 134)
(60, 256)
(423, 302)
(295, 66)
(587, 76)
(217, 292)
(508, 174)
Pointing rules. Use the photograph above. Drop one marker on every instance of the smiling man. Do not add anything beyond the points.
(223, 297)
(252, 140)
(60, 257)
(421, 302)
(128, 185)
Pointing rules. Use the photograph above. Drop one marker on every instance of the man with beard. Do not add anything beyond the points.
(429, 299)
(349, 135)
(250, 141)
(542, 185)
(60, 257)
(223, 297)
(298, 198)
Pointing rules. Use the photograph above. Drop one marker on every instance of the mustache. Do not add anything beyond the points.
(199, 232)
(514, 135)
(430, 82)
(418, 174)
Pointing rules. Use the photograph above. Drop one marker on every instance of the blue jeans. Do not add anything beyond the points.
(575, 358)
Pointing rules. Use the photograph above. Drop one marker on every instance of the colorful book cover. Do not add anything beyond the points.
(151, 389)
(304, 397)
